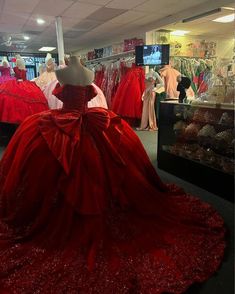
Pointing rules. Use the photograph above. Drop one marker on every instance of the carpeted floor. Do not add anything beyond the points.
(222, 281)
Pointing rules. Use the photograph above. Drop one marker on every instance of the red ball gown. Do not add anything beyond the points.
(127, 101)
(19, 100)
(82, 210)
(20, 74)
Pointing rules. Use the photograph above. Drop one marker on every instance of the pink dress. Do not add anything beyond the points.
(5, 74)
(45, 78)
(170, 77)
(148, 119)
(55, 103)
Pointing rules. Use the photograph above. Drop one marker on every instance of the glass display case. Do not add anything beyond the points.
(196, 142)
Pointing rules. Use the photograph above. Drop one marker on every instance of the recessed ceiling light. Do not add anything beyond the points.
(47, 49)
(226, 18)
(179, 33)
(26, 38)
(40, 21)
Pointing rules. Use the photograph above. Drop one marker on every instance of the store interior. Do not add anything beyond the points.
(167, 70)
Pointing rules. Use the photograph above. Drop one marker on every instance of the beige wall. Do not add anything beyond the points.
(224, 46)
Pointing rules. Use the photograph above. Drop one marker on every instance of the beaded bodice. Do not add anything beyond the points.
(74, 97)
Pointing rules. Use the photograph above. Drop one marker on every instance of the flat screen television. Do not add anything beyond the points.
(152, 54)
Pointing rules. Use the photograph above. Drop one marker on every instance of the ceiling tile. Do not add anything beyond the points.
(86, 25)
(24, 6)
(73, 34)
(125, 4)
(10, 28)
(128, 17)
(105, 14)
(52, 7)
(33, 28)
(31, 24)
(106, 27)
(80, 10)
(97, 2)
(148, 19)
(14, 18)
(68, 22)
(167, 6)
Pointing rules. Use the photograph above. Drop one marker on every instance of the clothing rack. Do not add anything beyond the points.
(111, 57)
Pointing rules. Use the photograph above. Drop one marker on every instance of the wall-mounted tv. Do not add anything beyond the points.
(152, 54)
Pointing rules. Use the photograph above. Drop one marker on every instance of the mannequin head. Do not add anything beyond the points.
(66, 59)
(50, 66)
(75, 74)
(20, 62)
(5, 62)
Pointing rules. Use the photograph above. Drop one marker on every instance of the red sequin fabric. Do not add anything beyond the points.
(83, 211)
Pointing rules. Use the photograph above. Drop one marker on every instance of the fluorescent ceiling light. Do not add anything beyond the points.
(40, 21)
(201, 15)
(179, 33)
(47, 49)
(226, 18)
(228, 8)
(26, 38)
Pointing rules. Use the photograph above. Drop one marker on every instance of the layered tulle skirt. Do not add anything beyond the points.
(4, 79)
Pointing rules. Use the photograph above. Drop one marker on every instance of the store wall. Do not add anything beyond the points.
(110, 42)
(225, 48)
(194, 46)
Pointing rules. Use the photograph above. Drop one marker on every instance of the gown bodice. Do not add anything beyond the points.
(5, 71)
(20, 74)
(74, 97)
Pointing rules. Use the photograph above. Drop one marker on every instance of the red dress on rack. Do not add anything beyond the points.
(127, 101)
(19, 100)
(82, 210)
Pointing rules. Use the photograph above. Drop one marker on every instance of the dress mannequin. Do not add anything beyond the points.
(169, 74)
(148, 119)
(183, 84)
(54, 103)
(5, 71)
(48, 75)
(75, 72)
(19, 69)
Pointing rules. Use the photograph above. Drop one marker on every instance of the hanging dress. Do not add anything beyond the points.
(148, 119)
(127, 101)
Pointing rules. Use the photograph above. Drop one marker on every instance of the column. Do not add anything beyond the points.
(60, 39)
